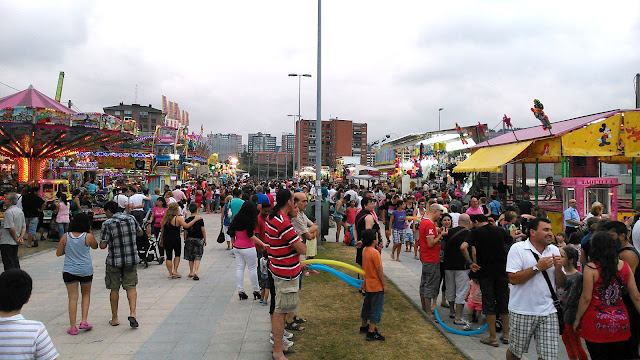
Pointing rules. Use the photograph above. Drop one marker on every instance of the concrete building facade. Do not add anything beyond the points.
(261, 142)
(147, 117)
(225, 145)
(338, 138)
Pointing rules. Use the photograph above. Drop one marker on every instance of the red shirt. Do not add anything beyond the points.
(284, 261)
(271, 200)
(427, 254)
(261, 229)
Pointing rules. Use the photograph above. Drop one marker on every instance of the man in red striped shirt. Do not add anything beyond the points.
(284, 250)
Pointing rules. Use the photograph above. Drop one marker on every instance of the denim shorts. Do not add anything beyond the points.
(372, 307)
(32, 225)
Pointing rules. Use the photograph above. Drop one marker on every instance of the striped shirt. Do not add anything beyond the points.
(284, 260)
(25, 339)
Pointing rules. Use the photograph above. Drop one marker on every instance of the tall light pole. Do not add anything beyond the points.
(318, 193)
(299, 118)
(439, 111)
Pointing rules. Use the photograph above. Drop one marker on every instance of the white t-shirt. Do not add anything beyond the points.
(331, 193)
(454, 219)
(354, 196)
(533, 297)
(122, 200)
(136, 200)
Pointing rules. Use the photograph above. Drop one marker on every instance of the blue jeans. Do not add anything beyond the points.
(217, 204)
(62, 229)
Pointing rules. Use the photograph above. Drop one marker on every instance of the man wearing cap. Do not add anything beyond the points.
(429, 246)
(571, 218)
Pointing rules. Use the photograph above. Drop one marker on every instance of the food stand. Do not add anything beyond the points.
(579, 145)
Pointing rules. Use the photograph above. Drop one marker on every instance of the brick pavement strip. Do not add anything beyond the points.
(178, 318)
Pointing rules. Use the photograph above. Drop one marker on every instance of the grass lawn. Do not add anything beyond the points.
(333, 310)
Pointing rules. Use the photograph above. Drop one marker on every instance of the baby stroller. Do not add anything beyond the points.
(147, 246)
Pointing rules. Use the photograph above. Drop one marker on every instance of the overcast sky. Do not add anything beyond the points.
(390, 64)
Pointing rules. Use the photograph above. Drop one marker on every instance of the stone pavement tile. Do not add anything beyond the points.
(164, 347)
(215, 354)
(225, 347)
(135, 335)
(253, 355)
(122, 349)
(113, 357)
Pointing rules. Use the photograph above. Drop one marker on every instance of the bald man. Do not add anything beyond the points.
(304, 227)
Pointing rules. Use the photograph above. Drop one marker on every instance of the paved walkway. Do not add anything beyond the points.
(189, 319)
(179, 318)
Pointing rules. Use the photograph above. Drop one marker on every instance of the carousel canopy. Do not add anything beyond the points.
(33, 98)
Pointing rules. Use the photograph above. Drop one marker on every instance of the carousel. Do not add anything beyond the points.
(35, 128)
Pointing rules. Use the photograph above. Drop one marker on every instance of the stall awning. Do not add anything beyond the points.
(491, 158)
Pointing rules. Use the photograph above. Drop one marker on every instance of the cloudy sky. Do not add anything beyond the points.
(390, 64)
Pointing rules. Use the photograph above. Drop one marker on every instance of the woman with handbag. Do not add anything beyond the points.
(602, 318)
(224, 219)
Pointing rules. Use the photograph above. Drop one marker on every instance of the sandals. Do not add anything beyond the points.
(112, 323)
(133, 322)
(293, 326)
(504, 340)
(489, 342)
(299, 320)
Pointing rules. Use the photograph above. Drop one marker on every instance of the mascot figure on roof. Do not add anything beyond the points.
(538, 112)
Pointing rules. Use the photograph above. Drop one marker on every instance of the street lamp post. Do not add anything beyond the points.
(439, 110)
(299, 141)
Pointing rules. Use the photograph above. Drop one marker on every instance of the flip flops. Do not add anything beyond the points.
(133, 322)
(489, 342)
(112, 324)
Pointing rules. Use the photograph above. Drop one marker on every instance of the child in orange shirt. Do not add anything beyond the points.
(374, 285)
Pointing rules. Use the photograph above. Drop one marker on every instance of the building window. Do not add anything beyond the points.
(117, 112)
(144, 114)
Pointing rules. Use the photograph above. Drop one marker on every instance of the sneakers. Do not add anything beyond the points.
(286, 342)
(365, 329)
(374, 336)
(287, 335)
(315, 272)
(466, 325)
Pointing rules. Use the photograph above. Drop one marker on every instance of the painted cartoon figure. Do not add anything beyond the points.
(606, 134)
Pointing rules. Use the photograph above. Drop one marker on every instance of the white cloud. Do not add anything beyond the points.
(391, 65)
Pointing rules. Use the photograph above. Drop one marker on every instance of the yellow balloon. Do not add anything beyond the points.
(334, 262)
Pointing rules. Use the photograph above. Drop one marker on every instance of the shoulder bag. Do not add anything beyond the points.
(556, 301)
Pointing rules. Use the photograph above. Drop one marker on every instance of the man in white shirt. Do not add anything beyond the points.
(136, 205)
(531, 308)
(122, 200)
(354, 194)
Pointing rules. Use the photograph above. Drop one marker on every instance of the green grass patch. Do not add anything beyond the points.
(333, 310)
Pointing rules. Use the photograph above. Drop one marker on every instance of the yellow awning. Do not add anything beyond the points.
(491, 158)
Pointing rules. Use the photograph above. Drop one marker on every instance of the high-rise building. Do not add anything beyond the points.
(288, 142)
(225, 145)
(147, 117)
(261, 142)
(338, 138)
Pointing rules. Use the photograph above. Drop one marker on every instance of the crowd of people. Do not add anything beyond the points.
(501, 261)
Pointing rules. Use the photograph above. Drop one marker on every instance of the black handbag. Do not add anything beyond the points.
(220, 239)
(556, 302)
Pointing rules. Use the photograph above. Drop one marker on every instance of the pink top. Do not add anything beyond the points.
(158, 214)
(476, 211)
(243, 241)
(351, 215)
(63, 213)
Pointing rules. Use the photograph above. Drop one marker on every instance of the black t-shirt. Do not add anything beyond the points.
(31, 205)
(525, 207)
(195, 231)
(490, 242)
(453, 258)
